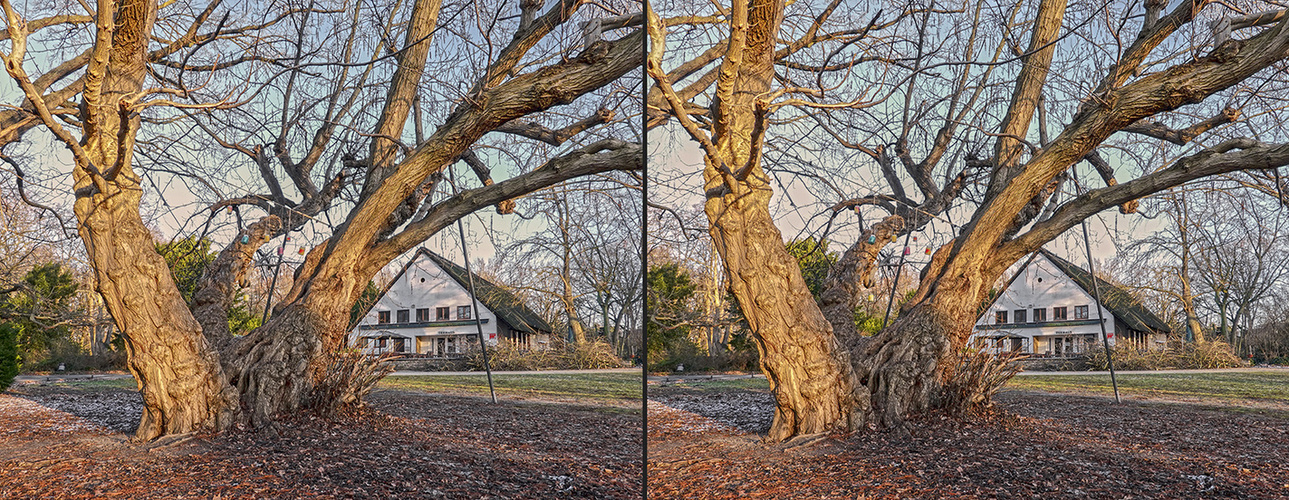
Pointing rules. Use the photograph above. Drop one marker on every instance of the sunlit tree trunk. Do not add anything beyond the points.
(181, 379)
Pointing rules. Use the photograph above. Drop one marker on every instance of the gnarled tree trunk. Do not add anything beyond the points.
(809, 373)
(182, 382)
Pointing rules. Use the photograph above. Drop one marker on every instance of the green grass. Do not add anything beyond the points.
(592, 386)
(81, 385)
(1243, 385)
(700, 386)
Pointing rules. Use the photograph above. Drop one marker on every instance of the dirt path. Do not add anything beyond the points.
(57, 443)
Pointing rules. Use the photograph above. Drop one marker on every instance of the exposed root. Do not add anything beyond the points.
(803, 441)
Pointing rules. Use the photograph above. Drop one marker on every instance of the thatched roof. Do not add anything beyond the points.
(496, 298)
(1122, 304)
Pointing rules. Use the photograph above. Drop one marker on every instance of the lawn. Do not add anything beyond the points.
(92, 385)
(587, 387)
(593, 387)
(1270, 385)
(1227, 386)
(722, 385)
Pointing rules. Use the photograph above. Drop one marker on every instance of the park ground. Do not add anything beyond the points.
(1222, 434)
(560, 435)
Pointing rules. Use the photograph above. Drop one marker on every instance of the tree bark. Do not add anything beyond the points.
(182, 382)
(850, 277)
(809, 373)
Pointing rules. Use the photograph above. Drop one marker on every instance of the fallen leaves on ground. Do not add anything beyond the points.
(68, 444)
(1035, 445)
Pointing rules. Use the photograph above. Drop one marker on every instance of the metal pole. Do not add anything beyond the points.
(1096, 292)
(891, 300)
(474, 303)
(268, 301)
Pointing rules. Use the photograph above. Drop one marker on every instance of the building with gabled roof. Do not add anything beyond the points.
(1046, 310)
(426, 310)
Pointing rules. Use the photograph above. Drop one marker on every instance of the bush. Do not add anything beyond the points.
(350, 376)
(978, 375)
(1195, 355)
(73, 357)
(8, 354)
(743, 359)
(562, 355)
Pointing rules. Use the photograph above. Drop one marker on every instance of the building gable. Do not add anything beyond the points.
(428, 278)
(1039, 284)
(423, 284)
(1122, 304)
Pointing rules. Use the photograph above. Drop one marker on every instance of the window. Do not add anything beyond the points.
(403, 315)
(400, 345)
(1040, 315)
(362, 342)
(463, 312)
(1000, 317)
(1020, 315)
(1080, 312)
(1058, 314)
(441, 313)
(380, 343)
(382, 317)
(422, 315)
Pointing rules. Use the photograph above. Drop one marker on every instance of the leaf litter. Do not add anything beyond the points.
(58, 443)
(1031, 445)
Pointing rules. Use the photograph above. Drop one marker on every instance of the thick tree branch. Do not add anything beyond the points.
(603, 156)
(1182, 136)
(1220, 159)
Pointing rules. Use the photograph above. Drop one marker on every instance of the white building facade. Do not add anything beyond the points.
(1048, 310)
(427, 311)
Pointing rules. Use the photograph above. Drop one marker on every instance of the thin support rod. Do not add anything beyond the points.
(1096, 292)
(891, 300)
(268, 301)
(474, 306)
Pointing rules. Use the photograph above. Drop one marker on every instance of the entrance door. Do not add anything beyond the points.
(442, 347)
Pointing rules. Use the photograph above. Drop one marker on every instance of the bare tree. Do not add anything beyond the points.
(768, 89)
(144, 60)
